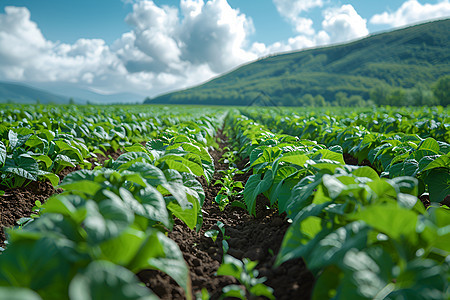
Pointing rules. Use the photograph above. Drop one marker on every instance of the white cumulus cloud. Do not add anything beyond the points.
(412, 11)
(292, 11)
(340, 24)
(344, 24)
(167, 48)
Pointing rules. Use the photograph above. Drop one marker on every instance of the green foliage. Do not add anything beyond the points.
(214, 234)
(244, 271)
(441, 90)
(363, 236)
(109, 223)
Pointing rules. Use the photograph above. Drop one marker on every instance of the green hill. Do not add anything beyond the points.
(400, 58)
(19, 93)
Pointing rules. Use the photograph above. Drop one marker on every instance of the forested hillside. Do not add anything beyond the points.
(405, 58)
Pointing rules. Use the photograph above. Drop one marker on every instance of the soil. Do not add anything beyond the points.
(255, 237)
(351, 160)
(19, 202)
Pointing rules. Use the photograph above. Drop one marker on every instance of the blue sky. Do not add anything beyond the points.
(151, 47)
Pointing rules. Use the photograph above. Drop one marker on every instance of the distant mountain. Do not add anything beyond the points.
(400, 58)
(60, 93)
(82, 95)
(19, 93)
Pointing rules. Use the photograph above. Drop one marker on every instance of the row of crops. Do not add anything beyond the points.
(110, 221)
(361, 230)
(362, 235)
(37, 142)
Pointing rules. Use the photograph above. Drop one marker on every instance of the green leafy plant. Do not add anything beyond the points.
(230, 189)
(214, 234)
(244, 271)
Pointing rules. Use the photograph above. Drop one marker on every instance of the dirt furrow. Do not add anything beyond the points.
(257, 238)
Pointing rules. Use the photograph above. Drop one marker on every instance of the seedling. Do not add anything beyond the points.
(244, 271)
(214, 233)
(230, 189)
(37, 208)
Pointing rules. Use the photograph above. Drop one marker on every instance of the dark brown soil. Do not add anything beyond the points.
(425, 198)
(258, 238)
(18, 203)
(351, 160)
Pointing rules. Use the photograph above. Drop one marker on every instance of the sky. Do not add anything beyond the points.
(153, 47)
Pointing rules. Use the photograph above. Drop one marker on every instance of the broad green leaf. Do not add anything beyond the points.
(332, 249)
(18, 293)
(366, 172)
(327, 283)
(201, 151)
(302, 194)
(304, 233)
(69, 150)
(234, 291)
(405, 184)
(161, 253)
(122, 249)
(24, 166)
(295, 157)
(255, 186)
(268, 156)
(105, 280)
(180, 139)
(130, 158)
(106, 219)
(87, 187)
(15, 140)
(72, 206)
(442, 161)
(390, 219)
(331, 155)
(135, 148)
(133, 178)
(181, 164)
(262, 290)
(284, 172)
(429, 144)
(64, 161)
(422, 279)
(53, 178)
(178, 193)
(187, 215)
(231, 267)
(173, 176)
(382, 189)
(88, 175)
(282, 193)
(436, 228)
(154, 205)
(334, 185)
(189, 181)
(438, 181)
(41, 265)
(368, 274)
(426, 160)
(45, 159)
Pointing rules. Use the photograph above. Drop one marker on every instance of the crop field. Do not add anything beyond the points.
(191, 202)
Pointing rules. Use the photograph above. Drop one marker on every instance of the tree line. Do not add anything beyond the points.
(419, 95)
